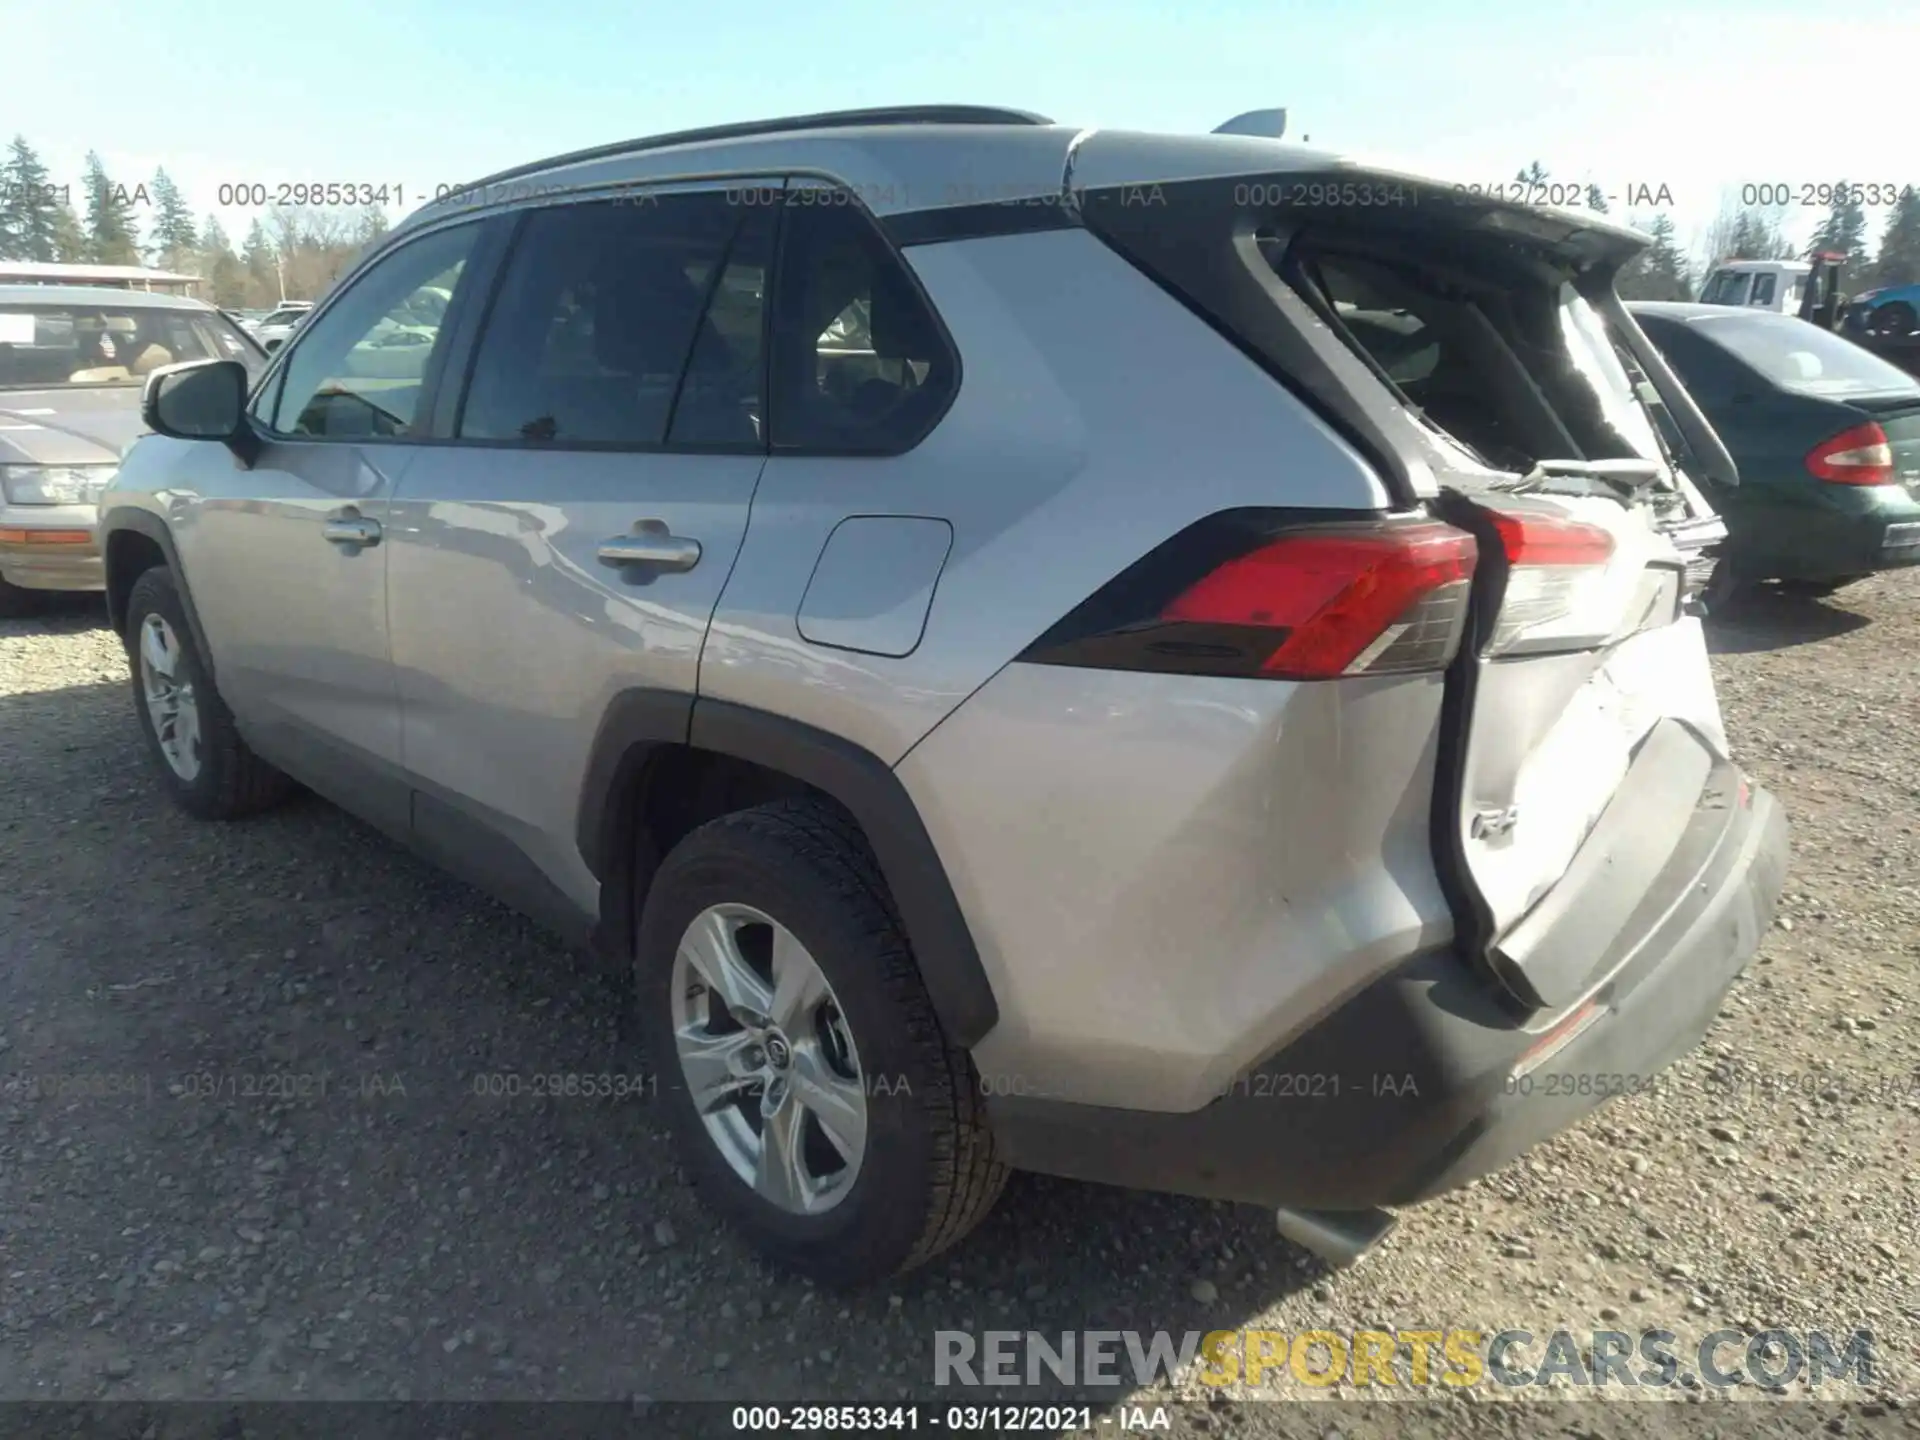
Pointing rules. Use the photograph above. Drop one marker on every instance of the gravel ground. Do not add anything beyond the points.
(170, 1227)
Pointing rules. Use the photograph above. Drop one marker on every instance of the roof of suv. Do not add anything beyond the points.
(916, 158)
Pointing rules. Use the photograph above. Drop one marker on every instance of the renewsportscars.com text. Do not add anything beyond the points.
(1415, 1359)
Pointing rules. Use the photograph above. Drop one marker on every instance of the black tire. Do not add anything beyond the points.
(17, 601)
(1723, 591)
(930, 1172)
(1893, 318)
(232, 781)
(1818, 589)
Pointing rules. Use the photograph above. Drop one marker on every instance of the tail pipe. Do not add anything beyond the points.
(1339, 1237)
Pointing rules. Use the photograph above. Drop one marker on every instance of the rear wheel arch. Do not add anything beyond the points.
(1896, 316)
(132, 543)
(664, 764)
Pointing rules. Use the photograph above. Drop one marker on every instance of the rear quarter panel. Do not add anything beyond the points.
(1096, 417)
(1167, 877)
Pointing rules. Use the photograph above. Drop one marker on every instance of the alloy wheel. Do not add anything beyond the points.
(769, 1059)
(171, 704)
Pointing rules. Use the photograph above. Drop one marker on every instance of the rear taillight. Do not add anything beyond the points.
(1860, 456)
(1555, 565)
(1238, 596)
(1344, 603)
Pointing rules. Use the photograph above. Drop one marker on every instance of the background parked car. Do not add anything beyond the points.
(72, 363)
(1826, 436)
(1892, 310)
(276, 325)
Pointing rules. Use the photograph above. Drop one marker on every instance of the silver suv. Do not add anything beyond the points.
(1165, 660)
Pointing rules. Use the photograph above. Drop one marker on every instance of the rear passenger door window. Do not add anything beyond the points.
(861, 363)
(602, 306)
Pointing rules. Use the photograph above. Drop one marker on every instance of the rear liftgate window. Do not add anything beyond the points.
(1498, 354)
(1478, 319)
(1487, 343)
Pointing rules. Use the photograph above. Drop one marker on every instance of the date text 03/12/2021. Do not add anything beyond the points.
(958, 1419)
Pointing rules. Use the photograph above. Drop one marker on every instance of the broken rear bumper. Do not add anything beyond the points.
(1423, 1081)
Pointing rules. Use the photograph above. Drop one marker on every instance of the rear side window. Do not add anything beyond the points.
(1764, 289)
(1703, 368)
(861, 364)
(600, 308)
(1794, 355)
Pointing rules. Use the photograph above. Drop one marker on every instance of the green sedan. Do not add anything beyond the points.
(1826, 437)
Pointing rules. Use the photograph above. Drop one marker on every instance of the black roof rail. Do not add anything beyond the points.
(826, 119)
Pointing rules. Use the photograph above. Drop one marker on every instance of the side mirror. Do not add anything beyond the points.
(201, 400)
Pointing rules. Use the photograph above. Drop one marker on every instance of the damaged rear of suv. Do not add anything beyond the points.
(1164, 660)
(1605, 867)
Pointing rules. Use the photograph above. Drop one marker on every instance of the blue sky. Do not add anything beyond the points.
(1700, 98)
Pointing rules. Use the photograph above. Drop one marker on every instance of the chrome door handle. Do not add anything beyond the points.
(351, 529)
(650, 546)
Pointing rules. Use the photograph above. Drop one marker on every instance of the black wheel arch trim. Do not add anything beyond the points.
(150, 525)
(638, 723)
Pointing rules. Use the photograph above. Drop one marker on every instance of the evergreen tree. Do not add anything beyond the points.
(1753, 235)
(257, 256)
(174, 244)
(1596, 199)
(226, 277)
(1844, 230)
(1660, 272)
(29, 206)
(112, 235)
(1898, 261)
(69, 236)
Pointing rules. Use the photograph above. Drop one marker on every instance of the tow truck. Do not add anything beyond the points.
(1879, 320)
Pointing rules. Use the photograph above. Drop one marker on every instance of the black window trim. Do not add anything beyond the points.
(452, 399)
(942, 334)
(481, 262)
(501, 227)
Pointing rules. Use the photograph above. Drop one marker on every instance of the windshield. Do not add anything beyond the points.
(1726, 287)
(1797, 356)
(47, 347)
